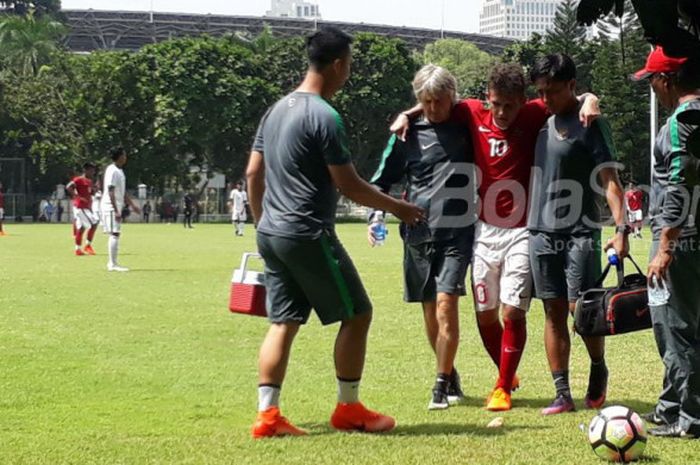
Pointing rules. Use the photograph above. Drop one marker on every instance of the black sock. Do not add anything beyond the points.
(597, 378)
(561, 382)
(441, 382)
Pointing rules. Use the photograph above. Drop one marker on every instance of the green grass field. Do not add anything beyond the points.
(150, 367)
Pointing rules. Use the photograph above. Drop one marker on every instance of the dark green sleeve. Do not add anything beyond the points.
(600, 141)
(392, 166)
(682, 175)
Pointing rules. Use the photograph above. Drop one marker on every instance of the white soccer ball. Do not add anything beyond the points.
(617, 434)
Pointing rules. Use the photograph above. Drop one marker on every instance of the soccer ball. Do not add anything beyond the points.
(617, 434)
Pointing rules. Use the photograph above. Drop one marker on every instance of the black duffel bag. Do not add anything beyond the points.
(606, 311)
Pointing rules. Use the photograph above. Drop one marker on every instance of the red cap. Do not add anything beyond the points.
(658, 62)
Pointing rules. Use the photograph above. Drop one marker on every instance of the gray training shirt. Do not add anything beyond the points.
(562, 198)
(299, 137)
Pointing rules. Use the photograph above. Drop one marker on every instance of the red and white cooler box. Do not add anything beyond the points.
(248, 289)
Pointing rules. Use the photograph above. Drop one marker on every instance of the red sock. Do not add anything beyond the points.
(491, 336)
(514, 337)
(91, 233)
(79, 236)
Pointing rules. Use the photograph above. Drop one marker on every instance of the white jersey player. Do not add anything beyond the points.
(113, 200)
(238, 201)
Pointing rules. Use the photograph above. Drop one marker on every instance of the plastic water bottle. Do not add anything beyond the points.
(378, 228)
(613, 258)
(658, 292)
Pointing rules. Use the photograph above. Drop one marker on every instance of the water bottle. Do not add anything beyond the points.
(613, 258)
(658, 292)
(378, 228)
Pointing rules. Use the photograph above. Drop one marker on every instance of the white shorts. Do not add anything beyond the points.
(635, 215)
(85, 218)
(109, 224)
(239, 216)
(501, 267)
(2, 213)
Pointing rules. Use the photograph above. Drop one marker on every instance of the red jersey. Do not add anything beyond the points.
(83, 192)
(504, 159)
(634, 199)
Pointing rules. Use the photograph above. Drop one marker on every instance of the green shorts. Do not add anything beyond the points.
(301, 274)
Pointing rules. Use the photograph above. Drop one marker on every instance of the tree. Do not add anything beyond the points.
(208, 96)
(37, 7)
(27, 43)
(569, 37)
(379, 87)
(625, 103)
(464, 60)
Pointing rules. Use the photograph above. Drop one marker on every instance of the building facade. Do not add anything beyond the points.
(294, 9)
(516, 19)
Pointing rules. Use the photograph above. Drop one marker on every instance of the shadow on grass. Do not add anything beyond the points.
(430, 429)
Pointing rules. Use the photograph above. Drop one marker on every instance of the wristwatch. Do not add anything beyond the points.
(623, 228)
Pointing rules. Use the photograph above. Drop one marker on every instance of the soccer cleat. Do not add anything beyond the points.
(563, 403)
(514, 386)
(653, 418)
(79, 252)
(89, 250)
(270, 423)
(594, 403)
(670, 431)
(597, 389)
(356, 417)
(499, 401)
(117, 268)
(439, 400)
(455, 395)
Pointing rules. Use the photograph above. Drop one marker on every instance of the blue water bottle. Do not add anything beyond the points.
(378, 228)
(613, 257)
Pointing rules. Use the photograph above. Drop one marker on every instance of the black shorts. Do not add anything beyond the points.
(301, 274)
(433, 267)
(563, 265)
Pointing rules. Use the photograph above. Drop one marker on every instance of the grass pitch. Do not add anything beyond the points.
(148, 367)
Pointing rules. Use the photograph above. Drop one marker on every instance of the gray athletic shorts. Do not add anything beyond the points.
(563, 265)
(433, 267)
(301, 274)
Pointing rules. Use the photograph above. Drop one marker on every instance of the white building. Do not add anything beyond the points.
(516, 19)
(294, 9)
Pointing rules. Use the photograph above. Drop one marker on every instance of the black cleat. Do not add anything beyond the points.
(671, 431)
(454, 389)
(653, 418)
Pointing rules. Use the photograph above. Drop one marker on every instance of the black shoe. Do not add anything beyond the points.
(653, 418)
(454, 389)
(671, 431)
(439, 400)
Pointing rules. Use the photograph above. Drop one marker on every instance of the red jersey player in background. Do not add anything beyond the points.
(2, 210)
(634, 198)
(81, 189)
(504, 132)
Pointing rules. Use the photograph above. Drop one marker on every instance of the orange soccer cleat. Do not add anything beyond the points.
(79, 252)
(356, 417)
(270, 423)
(89, 250)
(499, 400)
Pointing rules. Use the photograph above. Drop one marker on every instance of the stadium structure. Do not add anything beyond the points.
(129, 30)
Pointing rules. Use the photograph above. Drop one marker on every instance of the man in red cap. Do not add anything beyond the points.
(675, 251)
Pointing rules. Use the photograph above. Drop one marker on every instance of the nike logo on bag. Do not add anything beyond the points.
(511, 350)
(426, 147)
(641, 312)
